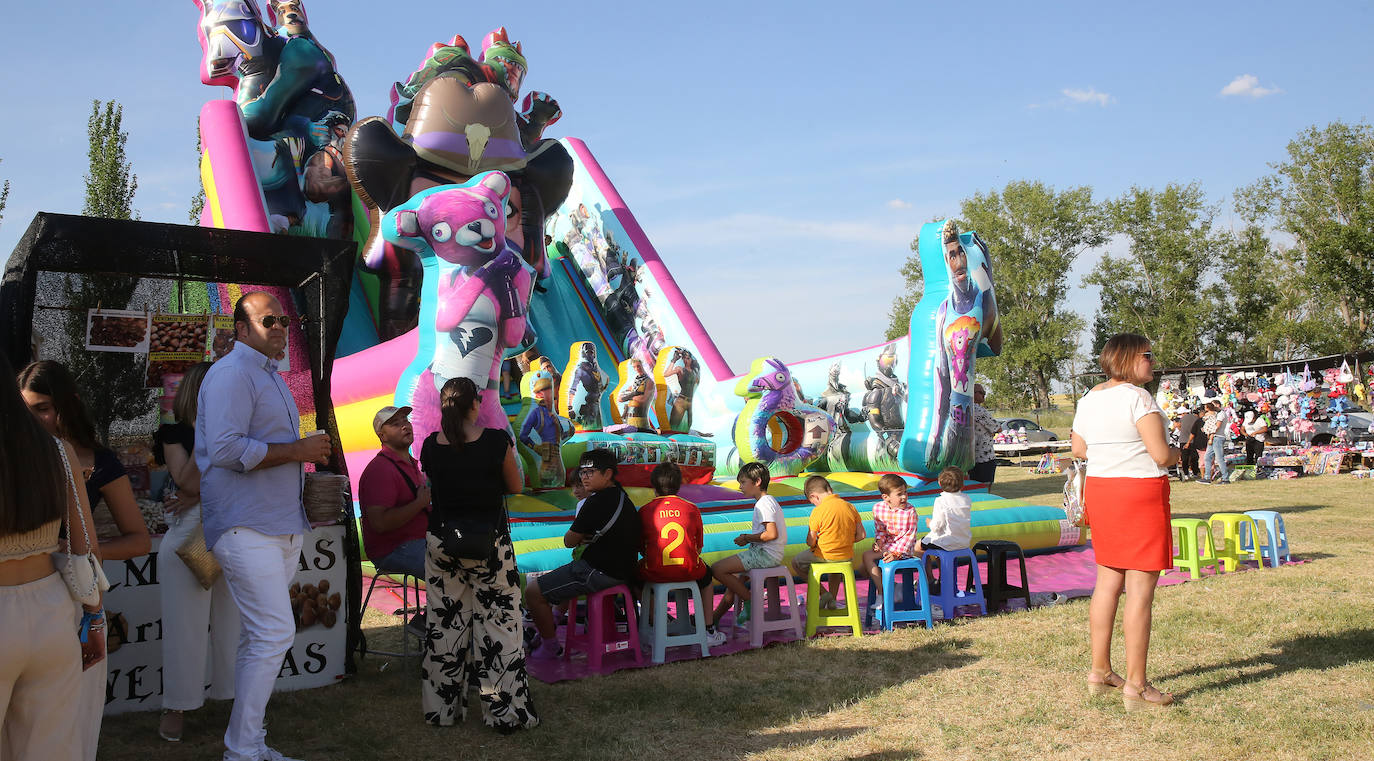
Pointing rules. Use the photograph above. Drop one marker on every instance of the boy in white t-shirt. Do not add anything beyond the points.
(767, 540)
(951, 517)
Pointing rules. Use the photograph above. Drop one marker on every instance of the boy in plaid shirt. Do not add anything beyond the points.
(894, 529)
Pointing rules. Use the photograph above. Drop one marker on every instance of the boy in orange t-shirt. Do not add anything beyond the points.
(672, 539)
(833, 530)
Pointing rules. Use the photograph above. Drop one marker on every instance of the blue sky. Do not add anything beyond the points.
(780, 156)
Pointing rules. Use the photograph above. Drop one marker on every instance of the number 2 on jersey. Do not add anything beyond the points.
(679, 536)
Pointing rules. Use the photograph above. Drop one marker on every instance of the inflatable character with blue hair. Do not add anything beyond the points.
(955, 321)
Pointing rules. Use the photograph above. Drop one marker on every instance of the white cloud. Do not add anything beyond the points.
(898, 203)
(1249, 86)
(1090, 95)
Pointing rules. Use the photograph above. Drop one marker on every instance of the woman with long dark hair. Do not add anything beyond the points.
(43, 657)
(51, 394)
(1120, 430)
(189, 609)
(472, 604)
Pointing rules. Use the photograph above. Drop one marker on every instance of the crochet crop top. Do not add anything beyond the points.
(39, 541)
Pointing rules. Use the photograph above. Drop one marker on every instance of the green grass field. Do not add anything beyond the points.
(1272, 664)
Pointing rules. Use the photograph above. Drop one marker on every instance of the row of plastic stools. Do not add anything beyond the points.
(600, 633)
(1240, 536)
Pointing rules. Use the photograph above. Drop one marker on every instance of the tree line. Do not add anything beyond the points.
(1293, 277)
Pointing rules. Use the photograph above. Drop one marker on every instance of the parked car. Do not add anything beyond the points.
(1034, 433)
(1361, 427)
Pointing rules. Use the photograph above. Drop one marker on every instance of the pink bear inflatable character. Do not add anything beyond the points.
(475, 294)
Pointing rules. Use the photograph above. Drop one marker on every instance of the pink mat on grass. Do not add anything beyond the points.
(1068, 574)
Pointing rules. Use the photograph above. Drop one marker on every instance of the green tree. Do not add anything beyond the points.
(899, 315)
(1157, 288)
(198, 200)
(112, 384)
(1034, 235)
(1323, 196)
(111, 183)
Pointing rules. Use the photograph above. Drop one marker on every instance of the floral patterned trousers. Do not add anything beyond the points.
(473, 636)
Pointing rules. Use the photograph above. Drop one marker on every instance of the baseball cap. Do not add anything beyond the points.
(385, 414)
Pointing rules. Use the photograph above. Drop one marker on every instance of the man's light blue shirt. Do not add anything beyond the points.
(243, 406)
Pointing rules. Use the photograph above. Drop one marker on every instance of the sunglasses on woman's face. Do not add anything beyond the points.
(1146, 354)
(271, 320)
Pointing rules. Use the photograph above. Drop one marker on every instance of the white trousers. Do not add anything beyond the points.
(40, 669)
(188, 611)
(259, 569)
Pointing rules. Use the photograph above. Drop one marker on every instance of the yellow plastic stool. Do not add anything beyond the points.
(1231, 551)
(1187, 554)
(816, 616)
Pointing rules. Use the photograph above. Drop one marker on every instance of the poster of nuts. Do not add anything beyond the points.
(116, 330)
(178, 341)
(315, 604)
(222, 328)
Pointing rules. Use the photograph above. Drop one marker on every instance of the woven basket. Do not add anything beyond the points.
(326, 496)
(199, 559)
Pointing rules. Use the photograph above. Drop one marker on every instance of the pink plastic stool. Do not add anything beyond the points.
(599, 634)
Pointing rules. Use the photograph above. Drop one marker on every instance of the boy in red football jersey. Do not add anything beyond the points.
(672, 540)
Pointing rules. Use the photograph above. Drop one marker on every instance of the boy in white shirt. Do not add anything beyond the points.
(951, 517)
(767, 540)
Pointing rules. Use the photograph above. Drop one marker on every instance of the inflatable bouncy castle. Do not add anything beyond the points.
(490, 251)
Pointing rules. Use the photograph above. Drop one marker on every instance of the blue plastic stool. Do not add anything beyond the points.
(949, 596)
(912, 580)
(688, 629)
(1277, 549)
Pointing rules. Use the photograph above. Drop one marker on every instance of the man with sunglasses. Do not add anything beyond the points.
(251, 455)
(607, 530)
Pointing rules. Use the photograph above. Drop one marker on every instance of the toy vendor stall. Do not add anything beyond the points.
(176, 311)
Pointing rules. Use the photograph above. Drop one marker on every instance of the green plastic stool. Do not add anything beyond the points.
(1231, 550)
(1187, 554)
(816, 616)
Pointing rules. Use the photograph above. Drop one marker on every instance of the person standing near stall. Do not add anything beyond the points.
(52, 396)
(251, 460)
(188, 608)
(1120, 430)
(985, 427)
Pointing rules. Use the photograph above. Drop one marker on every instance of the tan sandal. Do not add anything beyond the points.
(1141, 700)
(1104, 684)
(171, 726)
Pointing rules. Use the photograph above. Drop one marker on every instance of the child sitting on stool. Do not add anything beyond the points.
(767, 540)
(833, 529)
(952, 516)
(673, 537)
(894, 530)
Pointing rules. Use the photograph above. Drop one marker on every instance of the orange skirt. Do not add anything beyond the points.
(1129, 518)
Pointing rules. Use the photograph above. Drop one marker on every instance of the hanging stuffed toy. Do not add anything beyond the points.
(1339, 405)
(1262, 383)
(1308, 382)
(1345, 376)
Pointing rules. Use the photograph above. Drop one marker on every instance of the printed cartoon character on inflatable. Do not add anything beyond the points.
(580, 401)
(882, 403)
(677, 373)
(541, 430)
(476, 293)
(457, 127)
(290, 96)
(635, 395)
(955, 321)
(775, 427)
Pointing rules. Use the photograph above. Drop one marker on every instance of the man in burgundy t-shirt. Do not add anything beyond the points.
(672, 540)
(394, 498)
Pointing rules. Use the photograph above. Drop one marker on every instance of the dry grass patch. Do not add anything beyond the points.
(1274, 664)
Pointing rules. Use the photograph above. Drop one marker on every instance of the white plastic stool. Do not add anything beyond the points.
(765, 589)
(683, 631)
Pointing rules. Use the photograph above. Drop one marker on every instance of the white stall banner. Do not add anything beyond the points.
(134, 611)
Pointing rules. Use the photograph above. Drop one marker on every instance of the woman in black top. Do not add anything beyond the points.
(473, 605)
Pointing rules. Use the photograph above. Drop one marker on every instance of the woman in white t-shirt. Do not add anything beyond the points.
(1120, 430)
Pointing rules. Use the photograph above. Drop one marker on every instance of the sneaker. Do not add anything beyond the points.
(548, 650)
(169, 728)
(1205, 482)
(716, 638)
(270, 754)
